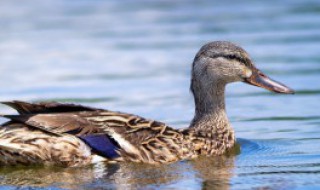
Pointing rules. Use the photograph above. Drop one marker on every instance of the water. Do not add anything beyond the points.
(135, 56)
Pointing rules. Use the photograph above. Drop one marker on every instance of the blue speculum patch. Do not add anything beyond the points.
(102, 145)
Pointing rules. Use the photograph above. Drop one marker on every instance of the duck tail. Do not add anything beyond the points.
(19, 106)
(4, 116)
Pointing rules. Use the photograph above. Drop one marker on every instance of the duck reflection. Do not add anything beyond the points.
(215, 172)
(201, 173)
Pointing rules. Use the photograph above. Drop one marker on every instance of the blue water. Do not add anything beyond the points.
(135, 56)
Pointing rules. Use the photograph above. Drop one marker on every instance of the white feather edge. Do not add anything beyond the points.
(123, 143)
(97, 159)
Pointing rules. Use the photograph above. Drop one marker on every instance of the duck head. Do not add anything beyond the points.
(222, 62)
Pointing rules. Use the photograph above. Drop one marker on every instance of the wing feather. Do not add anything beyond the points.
(129, 134)
(58, 123)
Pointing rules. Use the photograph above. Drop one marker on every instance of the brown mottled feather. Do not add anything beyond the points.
(140, 139)
(19, 144)
(58, 123)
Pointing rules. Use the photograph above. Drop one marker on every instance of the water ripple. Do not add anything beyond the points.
(287, 118)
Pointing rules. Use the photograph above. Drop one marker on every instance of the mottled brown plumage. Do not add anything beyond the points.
(74, 135)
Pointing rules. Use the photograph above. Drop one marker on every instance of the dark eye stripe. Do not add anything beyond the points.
(214, 55)
(243, 60)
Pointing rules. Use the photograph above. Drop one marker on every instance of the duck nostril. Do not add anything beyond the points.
(261, 74)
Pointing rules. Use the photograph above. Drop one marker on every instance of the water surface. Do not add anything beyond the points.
(135, 56)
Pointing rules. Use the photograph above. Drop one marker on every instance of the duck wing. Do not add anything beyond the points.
(74, 123)
(57, 123)
(79, 120)
(119, 125)
(131, 135)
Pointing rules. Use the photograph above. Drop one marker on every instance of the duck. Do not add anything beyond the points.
(71, 135)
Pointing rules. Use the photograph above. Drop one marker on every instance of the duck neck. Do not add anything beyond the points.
(210, 112)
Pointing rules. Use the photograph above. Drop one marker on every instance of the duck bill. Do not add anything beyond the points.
(261, 80)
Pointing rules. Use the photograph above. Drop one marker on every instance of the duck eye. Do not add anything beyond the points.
(236, 58)
(231, 57)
